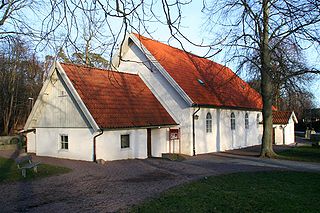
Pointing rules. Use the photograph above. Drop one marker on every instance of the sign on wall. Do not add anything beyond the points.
(174, 134)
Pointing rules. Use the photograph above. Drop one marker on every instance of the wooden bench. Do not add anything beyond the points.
(25, 162)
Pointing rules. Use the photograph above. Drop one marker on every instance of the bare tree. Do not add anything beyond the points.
(20, 79)
(64, 24)
(107, 22)
(255, 26)
(287, 60)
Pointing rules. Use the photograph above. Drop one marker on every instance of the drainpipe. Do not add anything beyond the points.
(94, 145)
(194, 132)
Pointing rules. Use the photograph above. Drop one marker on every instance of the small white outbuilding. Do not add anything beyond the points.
(283, 127)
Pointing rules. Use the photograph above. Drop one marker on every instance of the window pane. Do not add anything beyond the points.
(233, 121)
(125, 141)
(64, 141)
(208, 123)
(246, 121)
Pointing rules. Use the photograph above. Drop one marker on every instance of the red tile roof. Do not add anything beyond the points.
(117, 100)
(220, 88)
(281, 117)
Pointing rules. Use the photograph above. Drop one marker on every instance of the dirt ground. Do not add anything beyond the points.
(92, 187)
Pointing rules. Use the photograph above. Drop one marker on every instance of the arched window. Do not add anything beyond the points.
(208, 122)
(246, 121)
(233, 121)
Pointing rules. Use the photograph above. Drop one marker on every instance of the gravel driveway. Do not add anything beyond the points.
(118, 185)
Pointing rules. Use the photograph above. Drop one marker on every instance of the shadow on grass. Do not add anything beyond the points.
(301, 153)
(241, 192)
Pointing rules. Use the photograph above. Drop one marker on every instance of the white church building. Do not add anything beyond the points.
(159, 99)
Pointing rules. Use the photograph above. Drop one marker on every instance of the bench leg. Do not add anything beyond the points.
(35, 169)
(23, 171)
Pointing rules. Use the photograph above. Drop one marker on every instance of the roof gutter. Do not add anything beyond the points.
(194, 131)
(94, 145)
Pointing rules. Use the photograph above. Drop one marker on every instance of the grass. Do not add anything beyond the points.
(242, 192)
(302, 153)
(9, 171)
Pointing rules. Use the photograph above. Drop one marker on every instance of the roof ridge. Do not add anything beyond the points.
(97, 68)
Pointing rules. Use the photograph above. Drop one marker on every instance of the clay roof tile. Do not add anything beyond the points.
(117, 100)
(204, 81)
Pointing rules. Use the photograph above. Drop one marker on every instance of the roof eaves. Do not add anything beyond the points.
(140, 127)
(164, 73)
(226, 107)
(77, 97)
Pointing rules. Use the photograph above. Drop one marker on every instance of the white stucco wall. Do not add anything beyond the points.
(222, 137)
(109, 144)
(287, 130)
(31, 142)
(160, 142)
(278, 134)
(58, 114)
(80, 143)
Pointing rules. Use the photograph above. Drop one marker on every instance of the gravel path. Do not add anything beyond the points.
(118, 185)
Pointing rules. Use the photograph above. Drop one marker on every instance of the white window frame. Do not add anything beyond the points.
(233, 121)
(208, 123)
(128, 141)
(62, 143)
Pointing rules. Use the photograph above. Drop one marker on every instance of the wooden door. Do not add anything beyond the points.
(149, 143)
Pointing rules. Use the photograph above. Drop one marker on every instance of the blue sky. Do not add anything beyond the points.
(194, 27)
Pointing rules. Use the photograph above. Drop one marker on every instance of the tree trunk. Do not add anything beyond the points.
(266, 86)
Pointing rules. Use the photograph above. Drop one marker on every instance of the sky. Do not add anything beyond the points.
(196, 30)
(194, 27)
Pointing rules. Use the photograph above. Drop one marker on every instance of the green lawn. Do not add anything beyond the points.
(9, 171)
(303, 153)
(242, 192)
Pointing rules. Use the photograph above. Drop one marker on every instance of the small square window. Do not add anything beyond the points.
(64, 141)
(125, 141)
